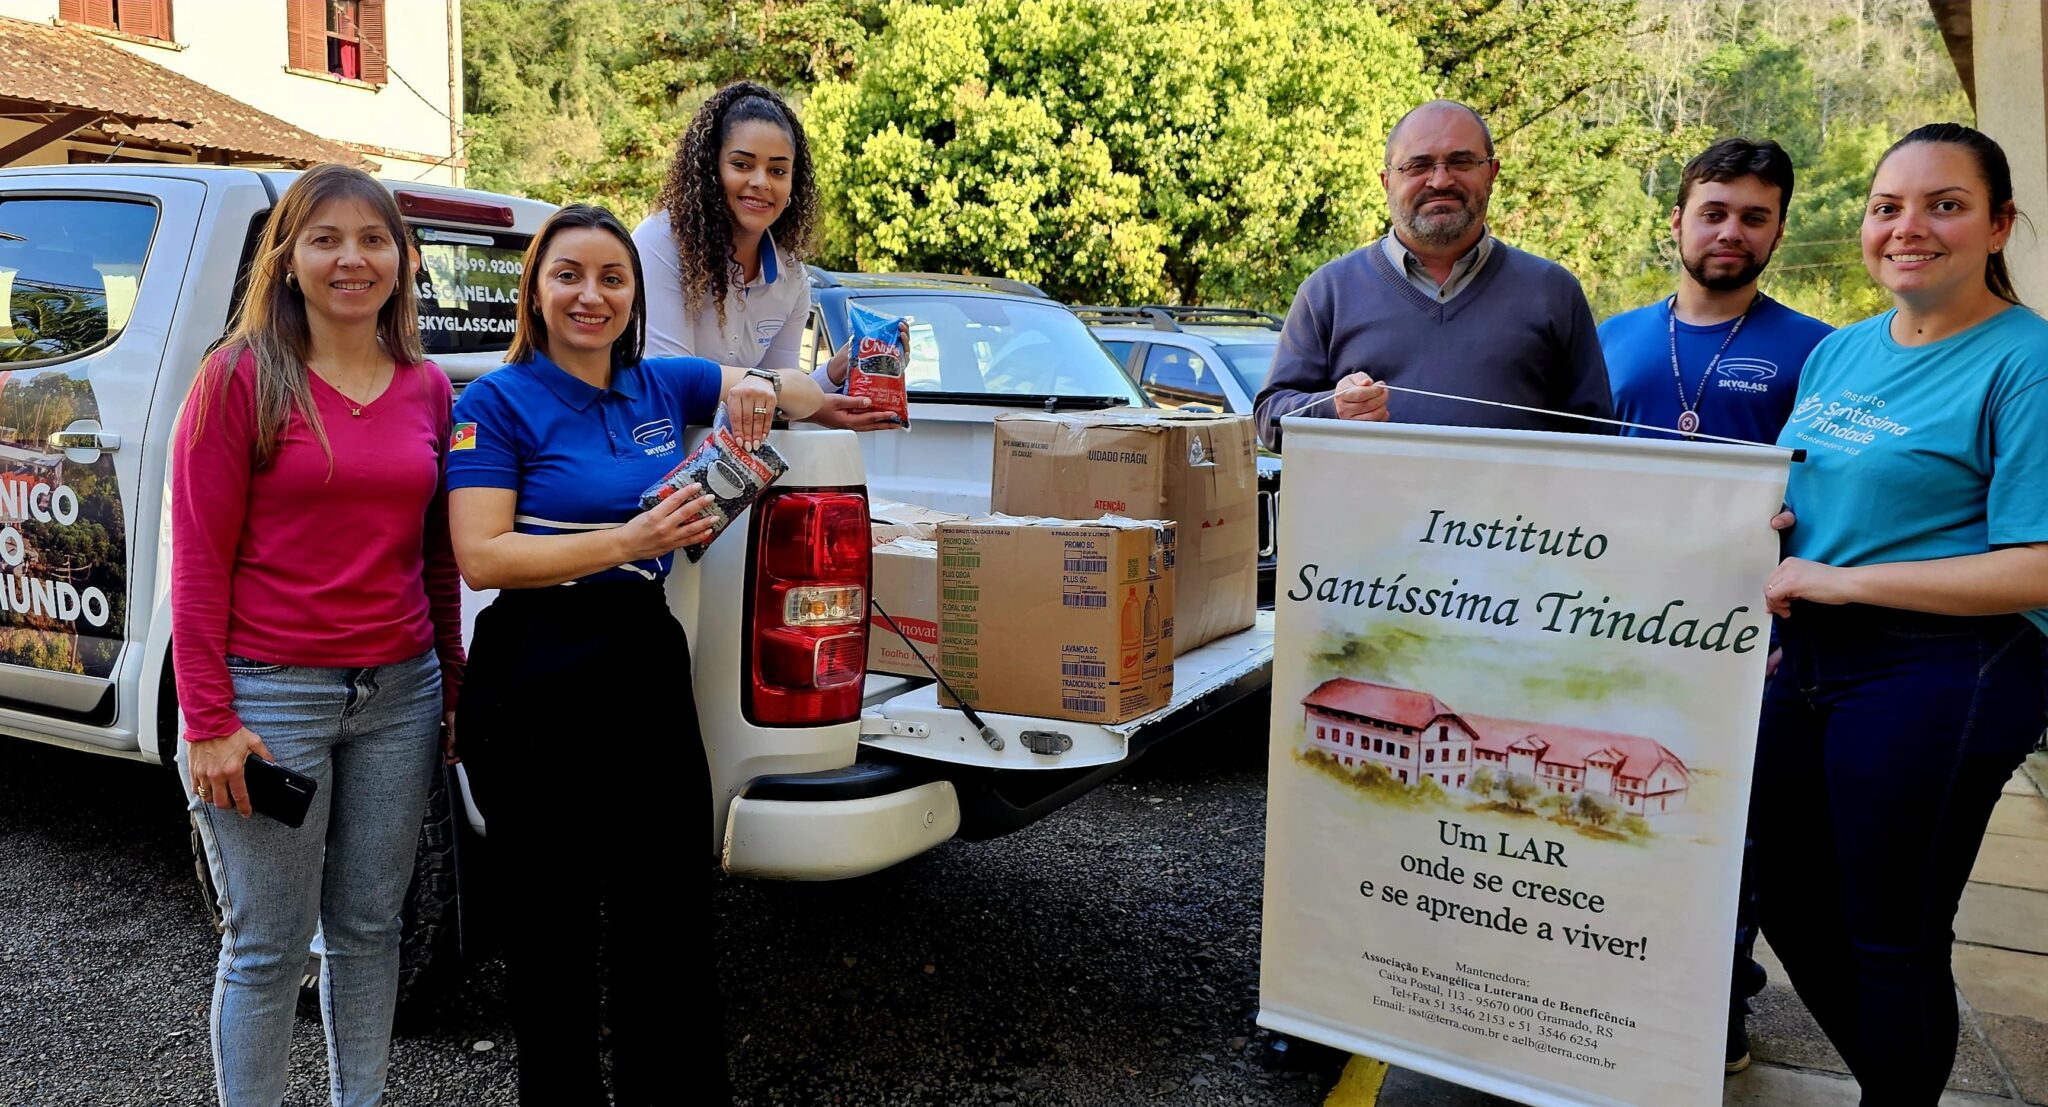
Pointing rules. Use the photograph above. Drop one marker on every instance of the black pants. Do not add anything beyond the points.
(579, 733)
(1886, 738)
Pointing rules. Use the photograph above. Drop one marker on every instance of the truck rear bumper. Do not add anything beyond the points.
(791, 828)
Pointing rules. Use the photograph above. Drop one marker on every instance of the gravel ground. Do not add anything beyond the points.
(1106, 956)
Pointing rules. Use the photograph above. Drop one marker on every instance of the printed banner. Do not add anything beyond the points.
(1515, 696)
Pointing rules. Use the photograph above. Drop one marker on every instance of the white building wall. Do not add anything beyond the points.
(240, 48)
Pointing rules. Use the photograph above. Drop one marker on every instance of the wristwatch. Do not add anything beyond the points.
(773, 378)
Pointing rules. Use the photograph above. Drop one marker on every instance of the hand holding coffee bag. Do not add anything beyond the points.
(732, 475)
(876, 371)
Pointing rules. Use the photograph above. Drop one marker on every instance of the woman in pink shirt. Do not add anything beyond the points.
(316, 622)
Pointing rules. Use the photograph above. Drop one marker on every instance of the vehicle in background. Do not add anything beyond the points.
(1206, 359)
(1202, 359)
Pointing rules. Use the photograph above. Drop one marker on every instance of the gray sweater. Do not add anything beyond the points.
(1520, 333)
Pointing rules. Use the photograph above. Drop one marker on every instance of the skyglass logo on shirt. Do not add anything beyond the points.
(1746, 374)
(658, 437)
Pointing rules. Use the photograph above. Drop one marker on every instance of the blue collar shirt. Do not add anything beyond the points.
(577, 455)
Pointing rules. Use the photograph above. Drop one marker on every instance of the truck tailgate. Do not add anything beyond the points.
(1206, 680)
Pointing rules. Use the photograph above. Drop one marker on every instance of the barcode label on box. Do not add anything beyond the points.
(1083, 669)
(959, 626)
(961, 561)
(1087, 565)
(962, 595)
(1091, 704)
(1083, 599)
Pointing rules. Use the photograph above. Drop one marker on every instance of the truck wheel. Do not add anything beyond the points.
(430, 945)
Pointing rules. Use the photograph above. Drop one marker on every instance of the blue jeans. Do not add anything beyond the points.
(1886, 738)
(370, 737)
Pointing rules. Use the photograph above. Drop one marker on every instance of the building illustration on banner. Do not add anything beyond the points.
(1414, 737)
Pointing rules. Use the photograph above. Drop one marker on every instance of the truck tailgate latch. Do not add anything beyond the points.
(1050, 743)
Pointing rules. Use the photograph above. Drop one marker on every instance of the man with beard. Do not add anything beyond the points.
(1438, 304)
(1719, 356)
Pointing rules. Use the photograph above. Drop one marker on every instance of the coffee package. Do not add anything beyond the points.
(732, 475)
(878, 359)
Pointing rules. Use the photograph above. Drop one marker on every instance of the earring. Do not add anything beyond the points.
(291, 279)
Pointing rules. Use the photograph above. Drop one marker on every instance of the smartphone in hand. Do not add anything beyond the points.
(278, 792)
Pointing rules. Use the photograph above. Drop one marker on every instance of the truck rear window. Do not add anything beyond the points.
(468, 288)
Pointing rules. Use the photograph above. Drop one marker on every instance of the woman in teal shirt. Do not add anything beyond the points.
(1914, 601)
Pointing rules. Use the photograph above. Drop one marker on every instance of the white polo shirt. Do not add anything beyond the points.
(764, 317)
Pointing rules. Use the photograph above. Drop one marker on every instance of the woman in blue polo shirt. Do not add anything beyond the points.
(1914, 604)
(580, 741)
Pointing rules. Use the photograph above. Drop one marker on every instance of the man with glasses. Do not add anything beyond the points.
(1439, 305)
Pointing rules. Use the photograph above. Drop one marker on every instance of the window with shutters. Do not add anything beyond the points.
(342, 38)
(142, 18)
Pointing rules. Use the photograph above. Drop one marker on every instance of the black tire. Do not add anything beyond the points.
(431, 944)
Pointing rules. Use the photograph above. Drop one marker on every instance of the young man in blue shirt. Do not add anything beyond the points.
(1718, 357)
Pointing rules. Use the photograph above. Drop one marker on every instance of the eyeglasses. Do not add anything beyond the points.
(1459, 165)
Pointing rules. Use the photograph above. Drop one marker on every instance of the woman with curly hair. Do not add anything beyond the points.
(724, 249)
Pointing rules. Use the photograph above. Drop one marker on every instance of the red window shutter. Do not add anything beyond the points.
(71, 11)
(100, 13)
(305, 24)
(139, 17)
(372, 32)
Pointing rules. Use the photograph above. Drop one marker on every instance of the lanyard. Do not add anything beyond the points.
(1689, 416)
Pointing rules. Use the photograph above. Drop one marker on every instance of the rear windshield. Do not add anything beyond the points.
(981, 344)
(468, 288)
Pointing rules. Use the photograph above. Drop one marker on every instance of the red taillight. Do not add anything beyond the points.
(428, 205)
(807, 638)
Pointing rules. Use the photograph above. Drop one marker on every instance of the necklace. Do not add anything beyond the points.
(355, 406)
(1689, 413)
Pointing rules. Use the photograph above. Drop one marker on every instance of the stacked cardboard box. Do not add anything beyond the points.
(1198, 470)
(905, 584)
(1060, 618)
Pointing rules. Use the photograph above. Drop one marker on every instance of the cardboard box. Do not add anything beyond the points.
(1066, 619)
(1196, 469)
(905, 584)
(889, 519)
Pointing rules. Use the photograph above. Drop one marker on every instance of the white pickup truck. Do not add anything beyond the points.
(117, 279)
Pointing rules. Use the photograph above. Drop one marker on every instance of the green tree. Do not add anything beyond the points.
(1593, 810)
(1520, 790)
(1570, 187)
(1114, 149)
(584, 99)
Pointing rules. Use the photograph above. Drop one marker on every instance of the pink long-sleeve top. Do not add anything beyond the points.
(294, 564)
